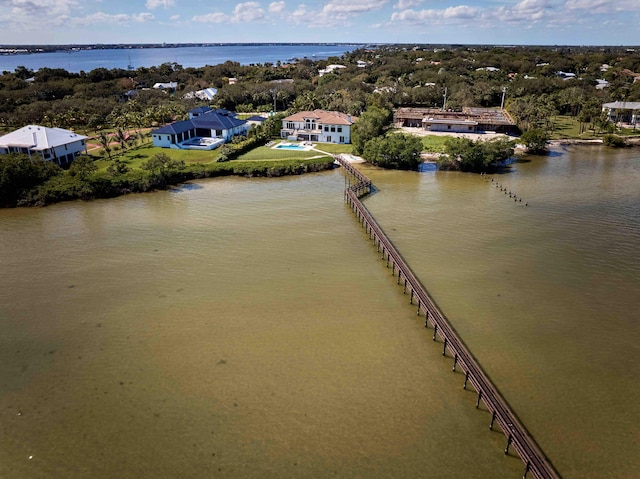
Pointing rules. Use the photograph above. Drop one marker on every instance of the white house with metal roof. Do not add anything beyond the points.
(206, 94)
(623, 111)
(48, 144)
(172, 86)
(330, 69)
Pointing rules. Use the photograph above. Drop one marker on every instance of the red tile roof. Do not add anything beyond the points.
(323, 117)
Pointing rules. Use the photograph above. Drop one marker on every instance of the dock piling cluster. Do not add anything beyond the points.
(504, 189)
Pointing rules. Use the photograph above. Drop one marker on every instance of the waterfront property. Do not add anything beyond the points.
(205, 129)
(622, 111)
(49, 144)
(318, 125)
(283, 145)
(469, 120)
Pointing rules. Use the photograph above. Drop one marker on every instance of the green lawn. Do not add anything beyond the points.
(136, 156)
(566, 127)
(264, 153)
(630, 131)
(334, 148)
(267, 153)
(434, 143)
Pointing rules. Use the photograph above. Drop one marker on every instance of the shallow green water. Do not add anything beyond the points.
(241, 328)
(245, 328)
(546, 296)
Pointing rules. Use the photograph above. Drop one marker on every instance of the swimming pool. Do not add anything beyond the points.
(201, 143)
(291, 146)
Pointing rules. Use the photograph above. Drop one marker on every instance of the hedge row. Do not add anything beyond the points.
(102, 185)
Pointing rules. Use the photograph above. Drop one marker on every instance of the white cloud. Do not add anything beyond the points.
(300, 14)
(152, 4)
(277, 7)
(405, 4)
(174, 18)
(342, 7)
(458, 14)
(335, 13)
(120, 18)
(215, 17)
(39, 8)
(331, 14)
(247, 12)
(602, 6)
(243, 13)
(525, 12)
(47, 15)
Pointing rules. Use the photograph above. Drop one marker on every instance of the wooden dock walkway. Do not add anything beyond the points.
(518, 438)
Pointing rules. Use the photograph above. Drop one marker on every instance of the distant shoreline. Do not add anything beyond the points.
(28, 49)
(634, 141)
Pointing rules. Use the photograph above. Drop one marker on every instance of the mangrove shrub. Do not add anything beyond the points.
(20, 174)
(535, 140)
(396, 151)
(476, 156)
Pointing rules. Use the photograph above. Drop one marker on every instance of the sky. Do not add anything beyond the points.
(503, 22)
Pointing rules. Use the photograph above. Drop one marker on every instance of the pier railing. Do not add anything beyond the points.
(518, 438)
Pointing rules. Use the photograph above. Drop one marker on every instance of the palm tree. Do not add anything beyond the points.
(137, 120)
(104, 140)
(121, 136)
(306, 102)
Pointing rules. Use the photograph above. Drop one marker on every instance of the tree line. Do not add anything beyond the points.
(396, 75)
(392, 76)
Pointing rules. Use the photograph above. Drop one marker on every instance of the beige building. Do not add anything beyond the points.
(318, 125)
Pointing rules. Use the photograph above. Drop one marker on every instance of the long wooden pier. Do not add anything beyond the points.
(518, 438)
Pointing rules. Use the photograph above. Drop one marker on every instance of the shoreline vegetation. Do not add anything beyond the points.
(104, 185)
(143, 169)
(553, 94)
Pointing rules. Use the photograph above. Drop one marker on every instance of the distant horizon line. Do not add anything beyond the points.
(188, 44)
(174, 44)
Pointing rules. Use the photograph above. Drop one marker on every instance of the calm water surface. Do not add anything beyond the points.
(546, 296)
(237, 328)
(87, 60)
(245, 328)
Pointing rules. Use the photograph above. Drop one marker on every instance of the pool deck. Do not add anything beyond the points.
(285, 145)
(204, 143)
